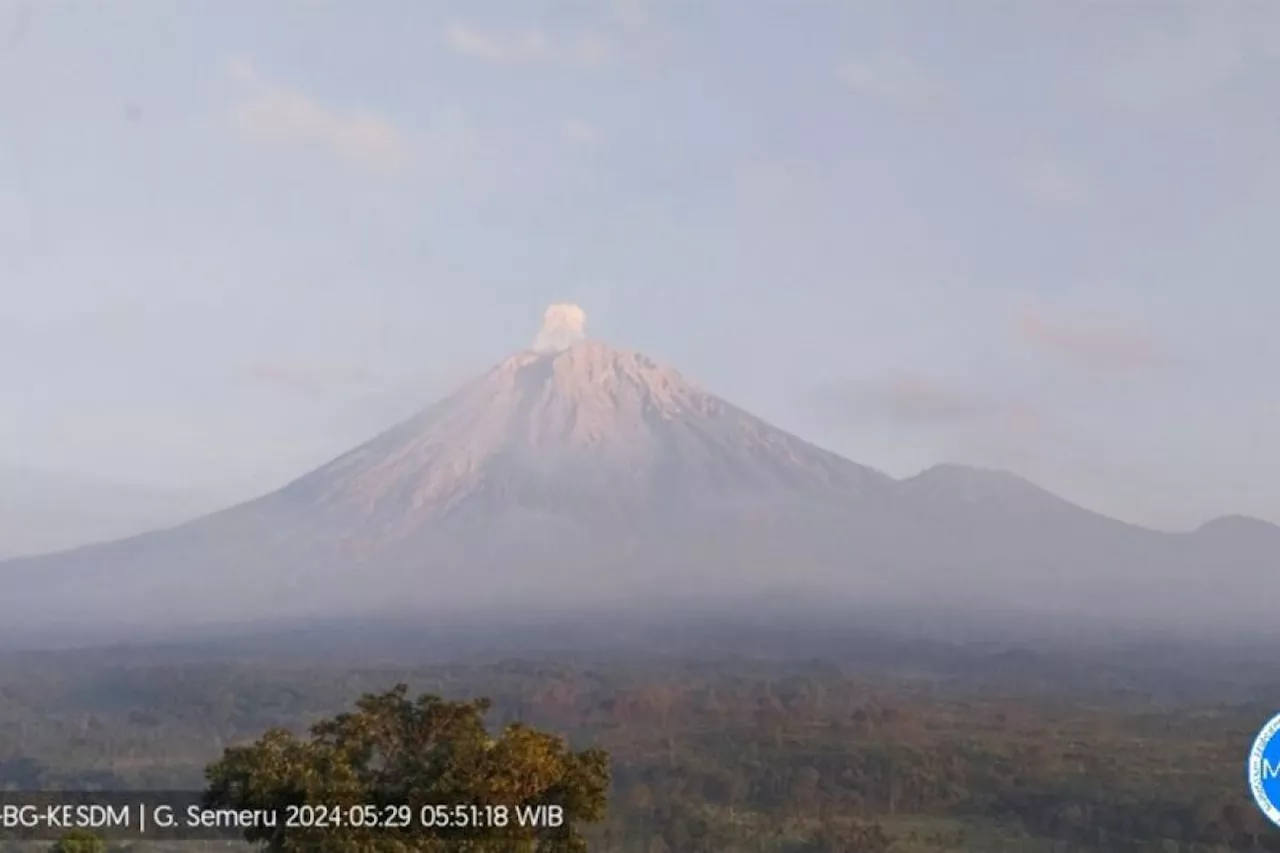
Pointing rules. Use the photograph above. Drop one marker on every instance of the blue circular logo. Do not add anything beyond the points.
(1264, 770)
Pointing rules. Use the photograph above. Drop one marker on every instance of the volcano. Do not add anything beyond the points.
(576, 475)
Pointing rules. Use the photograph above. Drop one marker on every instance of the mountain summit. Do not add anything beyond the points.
(584, 429)
(575, 474)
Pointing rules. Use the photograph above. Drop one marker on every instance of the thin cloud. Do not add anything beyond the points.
(1053, 183)
(527, 47)
(632, 13)
(891, 78)
(1197, 50)
(592, 49)
(1106, 350)
(914, 399)
(578, 132)
(20, 24)
(305, 379)
(271, 114)
(496, 49)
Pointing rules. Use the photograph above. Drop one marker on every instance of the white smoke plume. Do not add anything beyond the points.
(563, 325)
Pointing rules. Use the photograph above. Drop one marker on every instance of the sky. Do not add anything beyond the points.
(239, 237)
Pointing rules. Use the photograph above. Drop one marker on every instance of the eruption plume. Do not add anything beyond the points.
(563, 325)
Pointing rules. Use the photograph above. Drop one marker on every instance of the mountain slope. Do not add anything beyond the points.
(611, 423)
(554, 477)
(583, 475)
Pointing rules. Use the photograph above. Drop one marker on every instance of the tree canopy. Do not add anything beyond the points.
(399, 774)
(79, 841)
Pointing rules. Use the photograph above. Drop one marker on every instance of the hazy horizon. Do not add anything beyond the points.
(1035, 239)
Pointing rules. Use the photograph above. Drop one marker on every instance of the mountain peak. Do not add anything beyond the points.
(956, 469)
(594, 372)
(1239, 525)
(950, 475)
(969, 484)
(563, 361)
(573, 430)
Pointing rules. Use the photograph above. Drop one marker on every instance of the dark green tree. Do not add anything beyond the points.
(79, 841)
(395, 756)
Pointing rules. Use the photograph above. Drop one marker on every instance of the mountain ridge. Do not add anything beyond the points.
(582, 474)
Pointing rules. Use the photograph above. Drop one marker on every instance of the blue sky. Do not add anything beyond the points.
(238, 237)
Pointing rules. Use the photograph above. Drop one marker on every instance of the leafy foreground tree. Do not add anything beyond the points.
(400, 774)
(79, 841)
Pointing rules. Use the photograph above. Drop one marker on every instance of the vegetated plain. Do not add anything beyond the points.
(801, 740)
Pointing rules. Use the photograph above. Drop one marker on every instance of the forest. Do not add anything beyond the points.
(875, 745)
